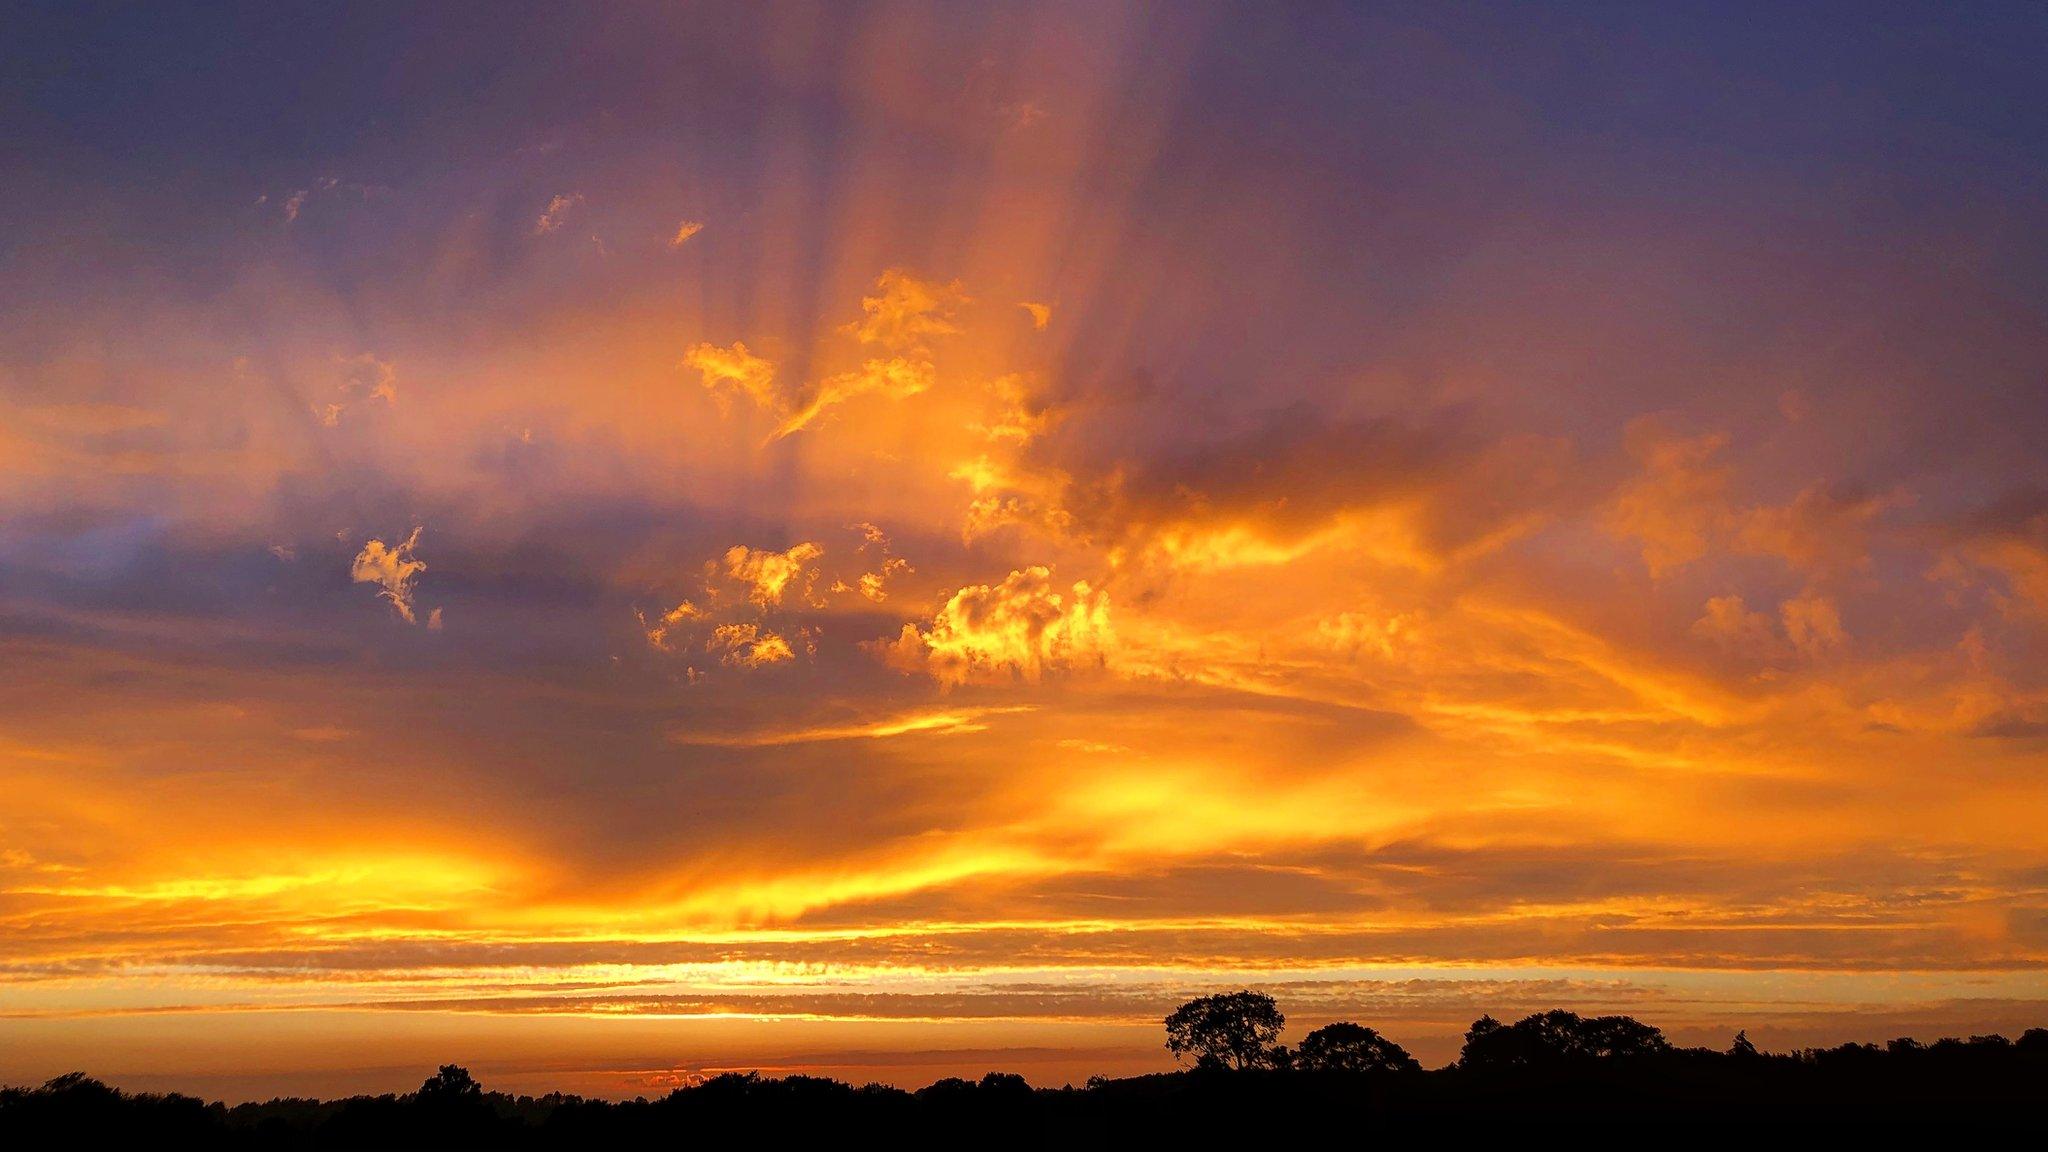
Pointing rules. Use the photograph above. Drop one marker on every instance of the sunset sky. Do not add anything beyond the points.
(609, 542)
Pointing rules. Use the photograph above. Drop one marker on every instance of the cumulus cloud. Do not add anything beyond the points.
(734, 371)
(393, 569)
(556, 212)
(768, 575)
(684, 231)
(1021, 628)
(1041, 314)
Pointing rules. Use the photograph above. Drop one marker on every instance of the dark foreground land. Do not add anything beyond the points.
(1951, 1091)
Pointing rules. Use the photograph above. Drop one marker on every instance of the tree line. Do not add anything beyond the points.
(1553, 1069)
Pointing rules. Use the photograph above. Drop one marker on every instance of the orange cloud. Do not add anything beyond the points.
(1674, 506)
(658, 632)
(734, 371)
(897, 378)
(684, 231)
(904, 311)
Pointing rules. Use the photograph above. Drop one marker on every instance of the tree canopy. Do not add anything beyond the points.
(1557, 1035)
(1348, 1047)
(1230, 1029)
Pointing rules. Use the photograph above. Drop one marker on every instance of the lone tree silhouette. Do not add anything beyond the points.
(1347, 1047)
(451, 1084)
(1227, 1030)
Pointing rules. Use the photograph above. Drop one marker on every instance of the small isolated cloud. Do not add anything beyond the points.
(748, 646)
(905, 310)
(284, 552)
(768, 575)
(297, 200)
(1041, 314)
(393, 569)
(557, 211)
(684, 231)
(1018, 629)
(734, 371)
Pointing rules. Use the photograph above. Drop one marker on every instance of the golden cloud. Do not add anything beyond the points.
(897, 378)
(748, 646)
(393, 569)
(1021, 628)
(768, 575)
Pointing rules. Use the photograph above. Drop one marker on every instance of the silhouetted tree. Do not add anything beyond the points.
(1742, 1047)
(1347, 1047)
(1557, 1035)
(451, 1084)
(1230, 1029)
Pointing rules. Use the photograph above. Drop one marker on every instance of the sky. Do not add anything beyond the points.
(609, 543)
